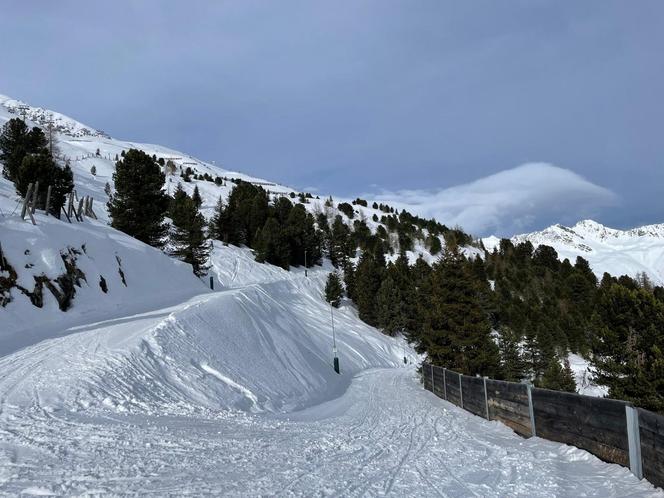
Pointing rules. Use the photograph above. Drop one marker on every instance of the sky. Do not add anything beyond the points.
(501, 116)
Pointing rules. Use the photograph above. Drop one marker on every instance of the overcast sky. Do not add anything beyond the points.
(436, 103)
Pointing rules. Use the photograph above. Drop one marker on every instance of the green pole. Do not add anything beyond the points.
(334, 343)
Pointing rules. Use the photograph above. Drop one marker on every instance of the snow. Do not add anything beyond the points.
(164, 387)
(584, 377)
(618, 252)
(384, 436)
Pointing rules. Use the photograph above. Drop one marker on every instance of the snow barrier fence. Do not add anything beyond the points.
(613, 430)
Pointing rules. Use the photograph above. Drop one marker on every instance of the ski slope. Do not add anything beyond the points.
(385, 436)
(232, 393)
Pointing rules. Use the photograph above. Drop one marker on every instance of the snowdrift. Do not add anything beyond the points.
(118, 275)
(263, 347)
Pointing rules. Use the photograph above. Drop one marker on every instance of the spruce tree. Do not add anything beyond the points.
(139, 204)
(196, 197)
(188, 240)
(333, 289)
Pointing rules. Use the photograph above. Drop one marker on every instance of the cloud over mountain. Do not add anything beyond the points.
(510, 201)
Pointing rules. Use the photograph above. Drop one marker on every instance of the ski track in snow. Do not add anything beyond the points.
(384, 436)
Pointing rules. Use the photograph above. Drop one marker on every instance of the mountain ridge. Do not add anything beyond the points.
(618, 252)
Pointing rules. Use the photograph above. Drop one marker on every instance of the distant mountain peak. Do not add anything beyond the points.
(618, 252)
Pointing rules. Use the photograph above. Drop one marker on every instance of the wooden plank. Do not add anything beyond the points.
(505, 409)
(572, 427)
(651, 432)
(651, 421)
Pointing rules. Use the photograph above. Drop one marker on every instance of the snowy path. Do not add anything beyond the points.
(384, 436)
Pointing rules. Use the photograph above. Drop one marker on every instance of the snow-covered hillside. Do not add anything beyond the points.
(35, 252)
(618, 252)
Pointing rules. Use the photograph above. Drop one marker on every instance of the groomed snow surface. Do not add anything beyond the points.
(232, 392)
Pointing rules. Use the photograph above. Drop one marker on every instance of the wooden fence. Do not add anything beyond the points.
(613, 430)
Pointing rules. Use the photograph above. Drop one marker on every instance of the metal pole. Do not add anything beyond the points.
(486, 400)
(334, 342)
(305, 263)
(445, 383)
(460, 391)
(531, 411)
(433, 385)
(634, 441)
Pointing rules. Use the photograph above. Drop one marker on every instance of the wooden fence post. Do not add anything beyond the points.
(460, 391)
(445, 383)
(486, 400)
(26, 201)
(48, 199)
(80, 209)
(634, 441)
(34, 198)
(531, 411)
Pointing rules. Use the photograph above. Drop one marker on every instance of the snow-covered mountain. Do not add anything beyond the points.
(150, 383)
(84, 147)
(618, 252)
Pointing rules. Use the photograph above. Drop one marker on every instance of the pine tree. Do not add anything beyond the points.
(558, 377)
(457, 331)
(349, 281)
(272, 245)
(139, 204)
(42, 168)
(390, 307)
(333, 289)
(512, 365)
(196, 197)
(340, 243)
(217, 226)
(368, 277)
(189, 243)
(16, 142)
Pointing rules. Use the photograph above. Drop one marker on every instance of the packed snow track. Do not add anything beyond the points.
(384, 436)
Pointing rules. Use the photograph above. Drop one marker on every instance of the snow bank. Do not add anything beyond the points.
(151, 279)
(262, 347)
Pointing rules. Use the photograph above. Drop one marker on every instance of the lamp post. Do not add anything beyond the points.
(334, 342)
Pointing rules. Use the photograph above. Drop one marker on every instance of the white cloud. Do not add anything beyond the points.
(508, 202)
